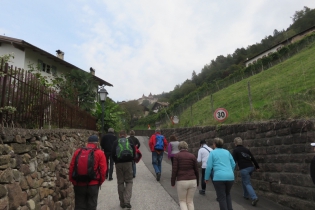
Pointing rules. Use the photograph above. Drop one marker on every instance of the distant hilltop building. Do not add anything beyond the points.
(150, 98)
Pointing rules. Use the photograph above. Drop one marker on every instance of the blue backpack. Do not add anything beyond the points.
(159, 142)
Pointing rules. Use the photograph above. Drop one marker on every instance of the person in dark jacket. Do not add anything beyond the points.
(245, 160)
(136, 144)
(312, 165)
(124, 172)
(86, 194)
(106, 144)
(185, 173)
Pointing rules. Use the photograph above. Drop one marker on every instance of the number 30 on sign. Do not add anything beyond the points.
(220, 114)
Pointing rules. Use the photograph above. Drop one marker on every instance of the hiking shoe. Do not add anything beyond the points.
(254, 202)
(158, 176)
(122, 205)
(110, 179)
(202, 192)
(127, 205)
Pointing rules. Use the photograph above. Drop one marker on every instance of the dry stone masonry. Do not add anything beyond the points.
(34, 168)
(282, 150)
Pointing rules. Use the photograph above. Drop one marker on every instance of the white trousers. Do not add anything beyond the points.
(186, 190)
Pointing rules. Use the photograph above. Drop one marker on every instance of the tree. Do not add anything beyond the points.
(79, 87)
(145, 103)
(113, 116)
(300, 14)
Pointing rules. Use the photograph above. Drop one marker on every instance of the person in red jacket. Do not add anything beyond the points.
(86, 193)
(157, 153)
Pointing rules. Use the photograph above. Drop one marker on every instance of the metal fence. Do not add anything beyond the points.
(214, 87)
(26, 103)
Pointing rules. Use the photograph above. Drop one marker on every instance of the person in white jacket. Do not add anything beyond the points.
(203, 155)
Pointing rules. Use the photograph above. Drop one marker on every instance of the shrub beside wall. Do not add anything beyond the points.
(34, 168)
(282, 150)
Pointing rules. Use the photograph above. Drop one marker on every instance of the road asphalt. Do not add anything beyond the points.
(149, 194)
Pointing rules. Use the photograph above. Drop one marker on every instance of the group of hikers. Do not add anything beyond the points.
(90, 167)
(217, 165)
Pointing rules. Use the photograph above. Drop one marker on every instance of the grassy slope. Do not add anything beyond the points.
(282, 92)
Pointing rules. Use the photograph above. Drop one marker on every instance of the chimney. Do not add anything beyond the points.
(60, 54)
(92, 71)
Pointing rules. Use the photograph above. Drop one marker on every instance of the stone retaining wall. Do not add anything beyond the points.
(34, 168)
(282, 150)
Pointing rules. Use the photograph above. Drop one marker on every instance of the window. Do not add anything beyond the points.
(54, 70)
(46, 68)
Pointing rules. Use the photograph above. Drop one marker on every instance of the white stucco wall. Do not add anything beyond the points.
(264, 54)
(33, 57)
(19, 55)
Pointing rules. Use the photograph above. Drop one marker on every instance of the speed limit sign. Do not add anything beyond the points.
(220, 114)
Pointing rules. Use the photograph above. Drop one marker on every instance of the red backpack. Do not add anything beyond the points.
(84, 165)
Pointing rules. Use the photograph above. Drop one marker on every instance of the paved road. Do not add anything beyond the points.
(149, 194)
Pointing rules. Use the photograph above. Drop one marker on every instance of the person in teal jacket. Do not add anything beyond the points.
(223, 164)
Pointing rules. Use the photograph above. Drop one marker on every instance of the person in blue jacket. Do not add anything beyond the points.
(223, 164)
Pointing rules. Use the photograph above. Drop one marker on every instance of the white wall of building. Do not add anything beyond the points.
(19, 55)
(33, 58)
(255, 59)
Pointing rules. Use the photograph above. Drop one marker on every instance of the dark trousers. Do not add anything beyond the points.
(203, 184)
(110, 165)
(124, 181)
(223, 189)
(172, 159)
(86, 197)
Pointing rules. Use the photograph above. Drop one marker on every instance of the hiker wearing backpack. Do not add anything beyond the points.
(203, 155)
(157, 144)
(123, 153)
(107, 144)
(87, 173)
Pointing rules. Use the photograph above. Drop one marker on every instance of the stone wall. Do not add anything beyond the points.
(34, 168)
(282, 150)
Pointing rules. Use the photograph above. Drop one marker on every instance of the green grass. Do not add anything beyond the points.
(285, 91)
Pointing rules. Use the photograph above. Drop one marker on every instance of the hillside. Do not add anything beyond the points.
(284, 91)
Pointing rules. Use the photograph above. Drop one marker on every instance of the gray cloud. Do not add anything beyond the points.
(150, 46)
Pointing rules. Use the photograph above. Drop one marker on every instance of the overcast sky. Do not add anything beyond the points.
(144, 46)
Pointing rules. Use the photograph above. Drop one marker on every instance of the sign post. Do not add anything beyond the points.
(220, 114)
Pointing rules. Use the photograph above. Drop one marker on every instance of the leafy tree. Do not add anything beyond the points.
(145, 103)
(80, 87)
(300, 14)
(114, 116)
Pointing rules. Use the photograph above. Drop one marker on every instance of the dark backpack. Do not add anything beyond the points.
(124, 150)
(159, 142)
(84, 165)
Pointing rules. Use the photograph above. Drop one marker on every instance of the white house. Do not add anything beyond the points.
(158, 106)
(278, 46)
(26, 54)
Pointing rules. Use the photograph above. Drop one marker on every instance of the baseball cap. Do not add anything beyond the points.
(93, 138)
(313, 144)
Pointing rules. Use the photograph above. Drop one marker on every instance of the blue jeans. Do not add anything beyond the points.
(247, 186)
(157, 161)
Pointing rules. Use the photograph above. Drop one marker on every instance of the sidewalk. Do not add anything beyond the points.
(147, 193)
